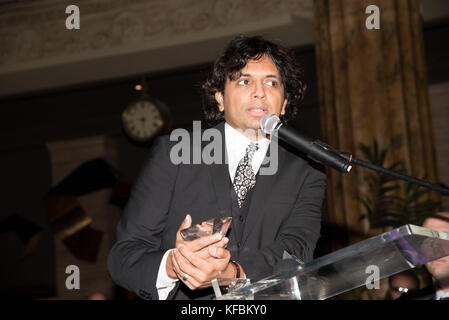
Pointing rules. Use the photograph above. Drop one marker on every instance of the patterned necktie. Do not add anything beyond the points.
(245, 179)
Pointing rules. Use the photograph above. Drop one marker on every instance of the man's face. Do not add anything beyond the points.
(438, 268)
(258, 91)
(401, 284)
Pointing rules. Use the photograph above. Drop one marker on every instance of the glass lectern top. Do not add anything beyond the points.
(373, 259)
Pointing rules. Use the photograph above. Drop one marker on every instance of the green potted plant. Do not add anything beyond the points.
(386, 204)
(389, 203)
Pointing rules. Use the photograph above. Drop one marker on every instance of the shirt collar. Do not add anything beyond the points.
(236, 142)
(441, 294)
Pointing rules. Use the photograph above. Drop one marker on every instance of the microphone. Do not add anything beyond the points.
(314, 149)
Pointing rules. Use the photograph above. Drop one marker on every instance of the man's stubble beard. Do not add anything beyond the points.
(440, 272)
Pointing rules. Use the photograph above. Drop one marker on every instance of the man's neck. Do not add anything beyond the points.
(256, 137)
(253, 134)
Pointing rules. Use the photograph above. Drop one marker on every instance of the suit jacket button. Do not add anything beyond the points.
(144, 294)
(241, 218)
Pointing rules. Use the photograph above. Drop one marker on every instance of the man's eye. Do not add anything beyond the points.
(243, 82)
(272, 83)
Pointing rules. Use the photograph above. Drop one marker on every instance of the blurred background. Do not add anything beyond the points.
(69, 154)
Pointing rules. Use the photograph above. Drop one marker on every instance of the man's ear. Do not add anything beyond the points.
(219, 98)
(284, 105)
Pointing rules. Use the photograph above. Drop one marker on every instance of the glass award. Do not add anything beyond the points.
(208, 227)
(224, 286)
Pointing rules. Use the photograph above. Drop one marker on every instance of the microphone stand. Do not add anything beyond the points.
(361, 163)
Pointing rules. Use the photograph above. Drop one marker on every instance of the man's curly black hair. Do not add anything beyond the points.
(235, 57)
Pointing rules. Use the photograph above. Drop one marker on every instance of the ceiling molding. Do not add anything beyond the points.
(119, 38)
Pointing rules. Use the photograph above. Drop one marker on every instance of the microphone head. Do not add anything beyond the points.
(268, 123)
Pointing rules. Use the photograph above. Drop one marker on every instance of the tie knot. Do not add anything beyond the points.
(251, 149)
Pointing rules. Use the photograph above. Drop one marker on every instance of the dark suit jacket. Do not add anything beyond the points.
(284, 214)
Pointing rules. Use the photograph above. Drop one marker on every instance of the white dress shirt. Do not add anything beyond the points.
(441, 294)
(236, 144)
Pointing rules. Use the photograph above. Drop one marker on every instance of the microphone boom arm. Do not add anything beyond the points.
(322, 153)
(361, 163)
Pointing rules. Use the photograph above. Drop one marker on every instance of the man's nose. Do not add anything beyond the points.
(259, 90)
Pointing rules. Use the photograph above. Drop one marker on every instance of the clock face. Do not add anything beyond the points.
(142, 120)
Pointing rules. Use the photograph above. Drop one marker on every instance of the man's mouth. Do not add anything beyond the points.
(257, 111)
(439, 261)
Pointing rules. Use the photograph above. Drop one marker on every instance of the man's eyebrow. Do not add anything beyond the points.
(267, 76)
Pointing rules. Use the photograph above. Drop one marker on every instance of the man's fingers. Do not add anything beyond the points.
(194, 262)
(219, 253)
(203, 242)
(205, 266)
(191, 282)
(185, 224)
(205, 254)
(200, 271)
(183, 267)
(176, 267)
(223, 243)
(192, 265)
(189, 260)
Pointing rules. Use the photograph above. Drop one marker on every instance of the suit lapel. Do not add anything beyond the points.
(221, 182)
(220, 179)
(261, 194)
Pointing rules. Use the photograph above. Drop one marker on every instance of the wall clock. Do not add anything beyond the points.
(142, 120)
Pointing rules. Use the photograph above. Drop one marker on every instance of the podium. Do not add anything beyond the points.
(360, 264)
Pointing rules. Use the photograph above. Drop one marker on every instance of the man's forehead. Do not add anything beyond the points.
(440, 222)
(402, 279)
(251, 71)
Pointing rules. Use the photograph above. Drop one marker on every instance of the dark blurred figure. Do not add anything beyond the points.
(123, 294)
(401, 283)
(97, 296)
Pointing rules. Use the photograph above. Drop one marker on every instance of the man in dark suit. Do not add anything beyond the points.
(273, 210)
(439, 269)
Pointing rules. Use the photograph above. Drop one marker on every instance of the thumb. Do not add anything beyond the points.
(186, 223)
